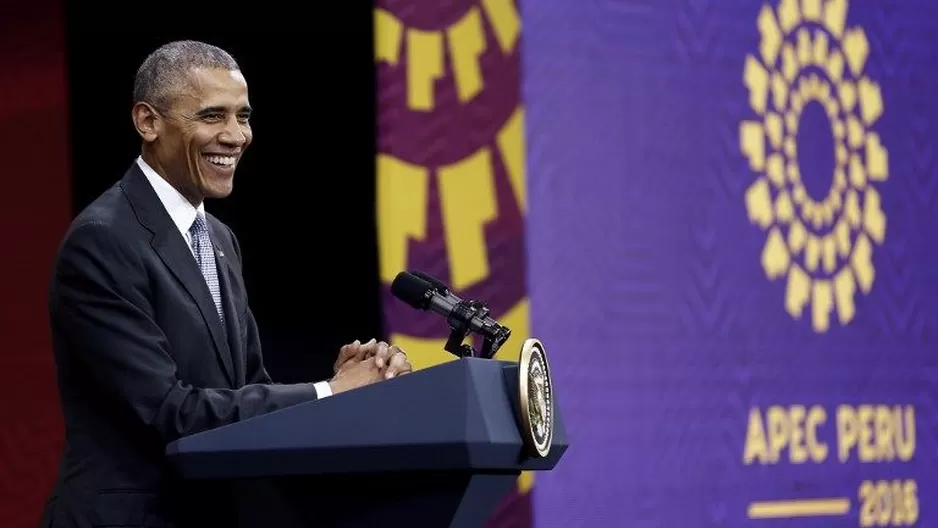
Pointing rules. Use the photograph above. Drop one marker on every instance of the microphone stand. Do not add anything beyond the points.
(459, 323)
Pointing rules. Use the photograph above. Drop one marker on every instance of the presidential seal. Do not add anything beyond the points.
(536, 397)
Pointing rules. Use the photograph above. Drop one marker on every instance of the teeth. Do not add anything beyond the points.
(221, 160)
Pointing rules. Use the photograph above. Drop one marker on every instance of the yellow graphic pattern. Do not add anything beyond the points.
(425, 49)
(467, 186)
(823, 248)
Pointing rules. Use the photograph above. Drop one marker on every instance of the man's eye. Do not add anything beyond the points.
(212, 117)
(244, 117)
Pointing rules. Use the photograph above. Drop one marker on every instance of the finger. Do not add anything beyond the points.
(371, 366)
(394, 350)
(406, 369)
(397, 351)
(382, 354)
(362, 351)
(365, 351)
(344, 353)
(368, 348)
(354, 350)
(397, 364)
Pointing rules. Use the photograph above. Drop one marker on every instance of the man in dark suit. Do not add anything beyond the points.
(153, 335)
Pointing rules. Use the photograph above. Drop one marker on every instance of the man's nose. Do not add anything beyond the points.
(233, 134)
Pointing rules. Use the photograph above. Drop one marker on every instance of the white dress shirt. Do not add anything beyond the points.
(183, 214)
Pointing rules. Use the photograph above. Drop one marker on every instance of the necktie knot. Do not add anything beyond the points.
(198, 226)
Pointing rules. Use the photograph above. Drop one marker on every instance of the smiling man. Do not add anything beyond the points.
(153, 336)
(194, 118)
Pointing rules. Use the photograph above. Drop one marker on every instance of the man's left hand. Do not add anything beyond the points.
(395, 359)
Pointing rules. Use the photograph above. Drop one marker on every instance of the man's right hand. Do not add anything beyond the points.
(355, 351)
(355, 374)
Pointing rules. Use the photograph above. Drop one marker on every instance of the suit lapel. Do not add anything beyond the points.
(177, 256)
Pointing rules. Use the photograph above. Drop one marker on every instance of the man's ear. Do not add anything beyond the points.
(146, 121)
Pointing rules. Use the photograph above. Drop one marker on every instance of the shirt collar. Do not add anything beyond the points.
(180, 210)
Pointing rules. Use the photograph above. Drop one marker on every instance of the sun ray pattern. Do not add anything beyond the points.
(822, 248)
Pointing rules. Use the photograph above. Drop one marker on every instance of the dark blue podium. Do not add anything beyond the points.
(435, 448)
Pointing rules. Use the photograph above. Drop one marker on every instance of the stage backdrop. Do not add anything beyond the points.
(35, 212)
(731, 259)
(450, 171)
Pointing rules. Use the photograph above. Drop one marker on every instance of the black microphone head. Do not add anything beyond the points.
(412, 290)
(436, 283)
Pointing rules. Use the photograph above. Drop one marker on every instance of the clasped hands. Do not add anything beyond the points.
(361, 364)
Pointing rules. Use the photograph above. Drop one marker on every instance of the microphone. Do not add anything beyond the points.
(437, 284)
(424, 292)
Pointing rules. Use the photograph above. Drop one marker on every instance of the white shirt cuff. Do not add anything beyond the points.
(323, 390)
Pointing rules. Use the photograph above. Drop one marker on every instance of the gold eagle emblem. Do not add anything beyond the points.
(536, 398)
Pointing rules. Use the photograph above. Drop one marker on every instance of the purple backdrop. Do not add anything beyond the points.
(711, 235)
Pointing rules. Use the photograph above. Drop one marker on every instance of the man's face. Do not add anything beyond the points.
(204, 132)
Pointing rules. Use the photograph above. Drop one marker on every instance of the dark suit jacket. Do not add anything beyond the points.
(142, 359)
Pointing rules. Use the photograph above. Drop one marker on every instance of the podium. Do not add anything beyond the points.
(439, 447)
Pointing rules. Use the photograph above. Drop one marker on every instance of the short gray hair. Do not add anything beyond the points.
(167, 69)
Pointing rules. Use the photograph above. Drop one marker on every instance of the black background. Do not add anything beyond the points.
(303, 202)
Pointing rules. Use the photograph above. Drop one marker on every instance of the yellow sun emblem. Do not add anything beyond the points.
(822, 246)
